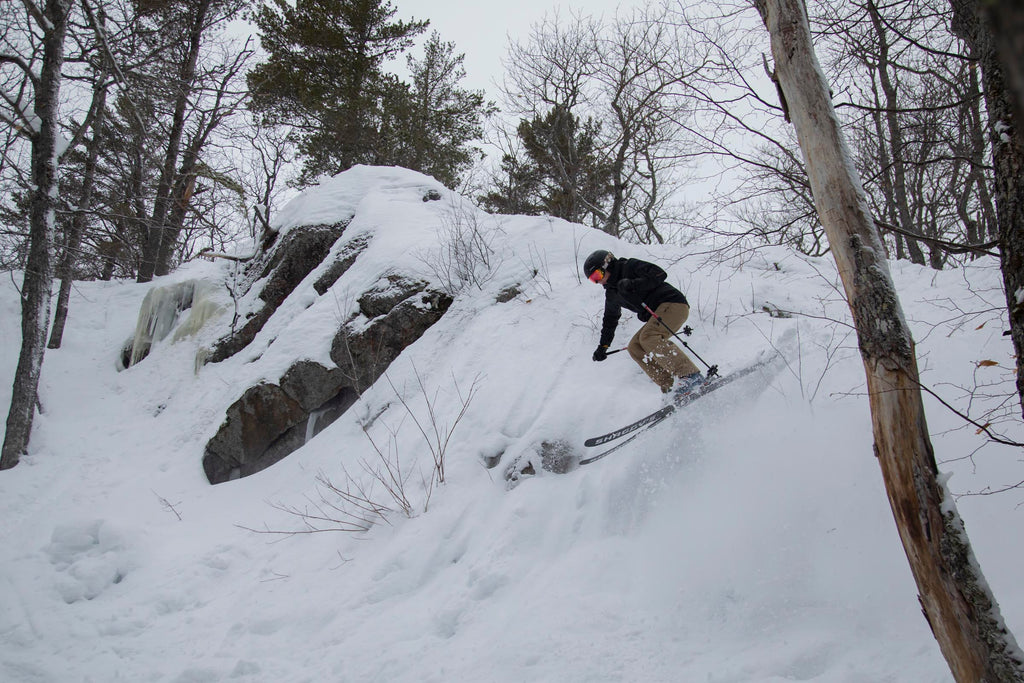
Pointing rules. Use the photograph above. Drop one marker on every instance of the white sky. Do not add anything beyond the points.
(482, 30)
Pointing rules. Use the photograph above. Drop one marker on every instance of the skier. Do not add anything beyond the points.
(638, 285)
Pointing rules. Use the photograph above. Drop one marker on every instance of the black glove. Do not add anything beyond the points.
(601, 353)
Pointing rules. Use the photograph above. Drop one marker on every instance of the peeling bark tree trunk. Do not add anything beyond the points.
(956, 600)
(35, 292)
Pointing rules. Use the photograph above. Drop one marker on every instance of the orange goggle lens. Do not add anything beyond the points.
(596, 276)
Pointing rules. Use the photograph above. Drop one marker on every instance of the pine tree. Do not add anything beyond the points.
(444, 118)
(575, 174)
(515, 189)
(324, 76)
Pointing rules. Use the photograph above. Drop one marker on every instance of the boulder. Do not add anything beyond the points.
(390, 291)
(312, 384)
(271, 420)
(253, 423)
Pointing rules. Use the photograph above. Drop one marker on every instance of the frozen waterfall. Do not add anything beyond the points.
(162, 309)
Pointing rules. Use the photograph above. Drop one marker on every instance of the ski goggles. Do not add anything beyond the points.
(596, 276)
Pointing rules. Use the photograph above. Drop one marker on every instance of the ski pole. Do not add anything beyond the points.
(608, 353)
(712, 369)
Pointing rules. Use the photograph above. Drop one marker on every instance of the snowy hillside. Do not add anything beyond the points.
(746, 539)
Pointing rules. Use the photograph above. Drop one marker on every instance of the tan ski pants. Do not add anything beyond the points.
(655, 352)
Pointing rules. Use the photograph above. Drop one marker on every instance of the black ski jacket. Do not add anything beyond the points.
(631, 284)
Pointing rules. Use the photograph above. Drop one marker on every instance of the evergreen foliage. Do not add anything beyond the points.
(432, 119)
(325, 77)
(565, 174)
(515, 189)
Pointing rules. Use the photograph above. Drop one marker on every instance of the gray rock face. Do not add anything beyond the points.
(341, 264)
(311, 384)
(271, 420)
(388, 293)
(254, 422)
(290, 260)
(363, 357)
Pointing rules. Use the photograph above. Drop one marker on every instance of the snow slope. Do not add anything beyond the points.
(747, 539)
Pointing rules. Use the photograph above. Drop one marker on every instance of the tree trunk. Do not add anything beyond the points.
(1007, 141)
(612, 224)
(980, 224)
(156, 233)
(184, 186)
(78, 222)
(35, 292)
(896, 183)
(956, 600)
(1006, 17)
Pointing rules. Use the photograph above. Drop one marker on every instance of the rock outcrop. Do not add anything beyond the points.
(297, 267)
(269, 421)
(287, 264)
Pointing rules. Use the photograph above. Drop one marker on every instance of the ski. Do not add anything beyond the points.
(647, 421)
(648, 425)
(660, 414)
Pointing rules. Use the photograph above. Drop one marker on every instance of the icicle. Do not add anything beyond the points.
(160, 312)
(311, 430)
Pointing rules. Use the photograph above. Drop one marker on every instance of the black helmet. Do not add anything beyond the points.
(598, 259)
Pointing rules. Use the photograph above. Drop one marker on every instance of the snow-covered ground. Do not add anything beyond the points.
(746, 539)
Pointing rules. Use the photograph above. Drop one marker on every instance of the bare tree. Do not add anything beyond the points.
(615, 84)
(41, 91)
(906, 87)
(101, 82)
(220, 100)
(548, 88)
(266, 152)
(957, 602)
(903, 89)
(73, 239)
(734, 125)
(644, 62)
(175, 186)
(157, 232)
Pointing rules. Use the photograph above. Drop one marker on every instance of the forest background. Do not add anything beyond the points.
(180, 131)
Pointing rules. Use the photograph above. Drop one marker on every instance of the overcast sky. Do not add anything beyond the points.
(481, 30)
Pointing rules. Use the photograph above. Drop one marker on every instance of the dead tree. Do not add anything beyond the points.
(957, 601)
